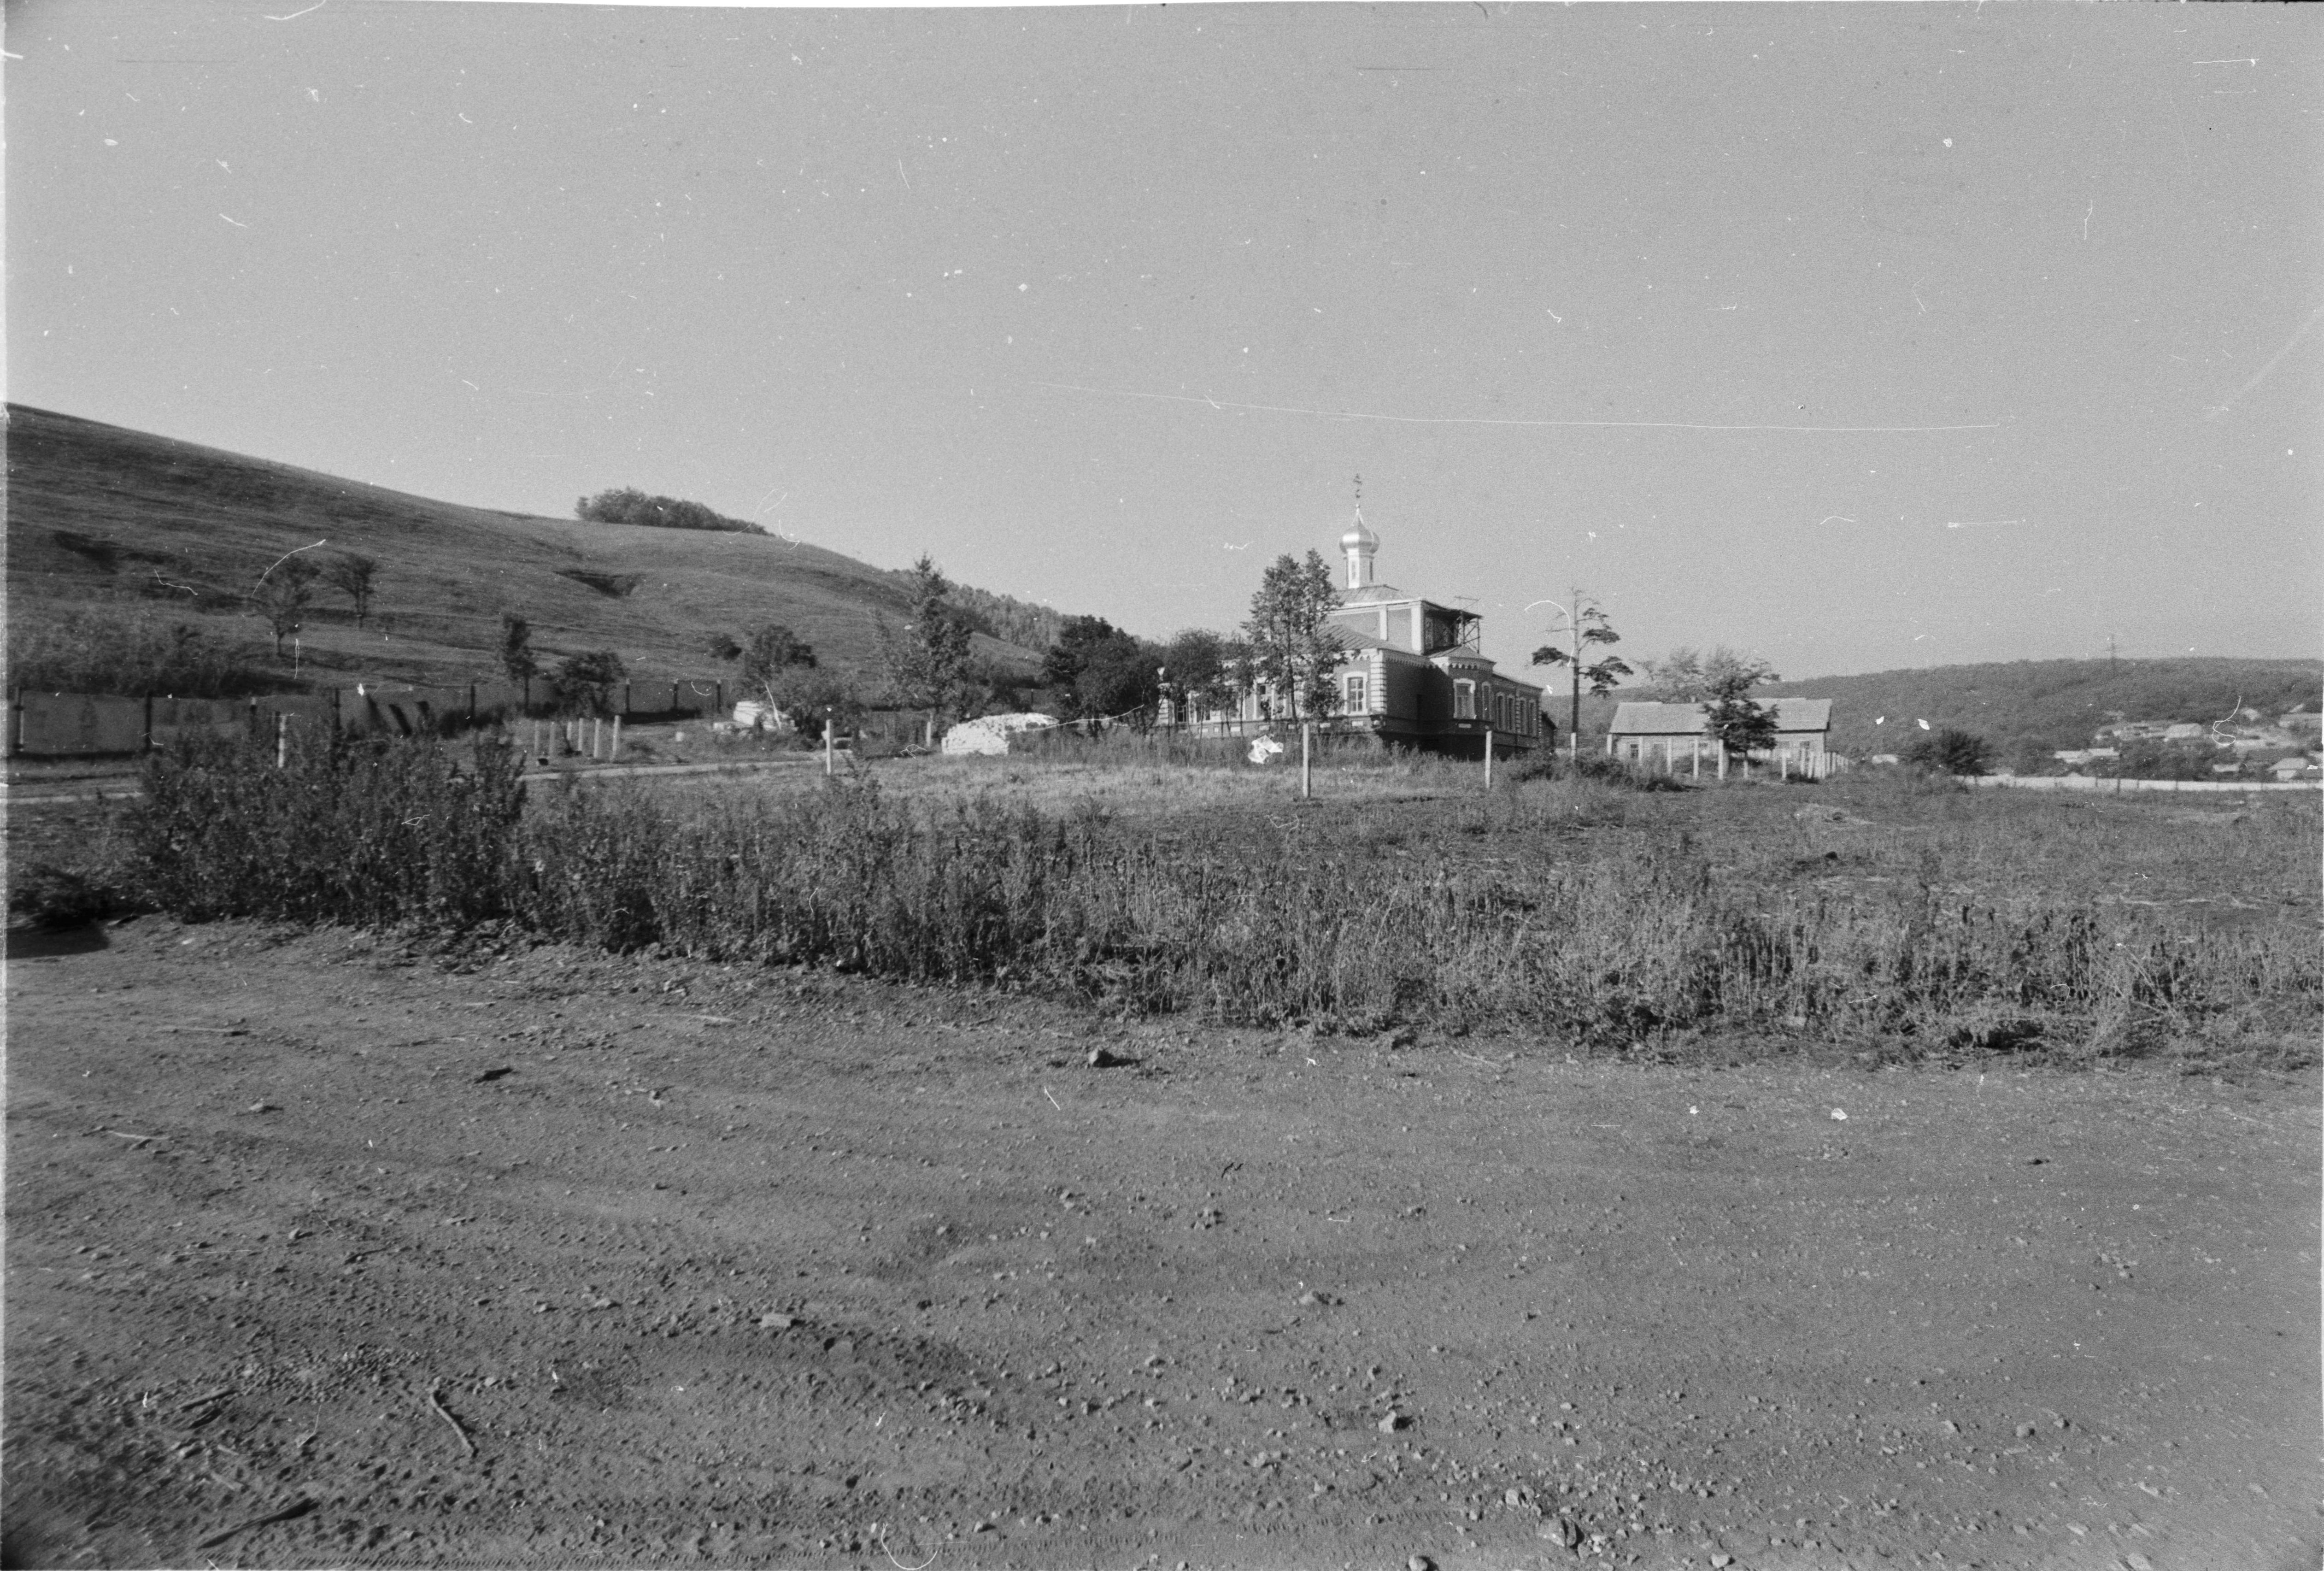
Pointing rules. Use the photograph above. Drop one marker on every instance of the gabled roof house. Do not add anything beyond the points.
(1676, 736)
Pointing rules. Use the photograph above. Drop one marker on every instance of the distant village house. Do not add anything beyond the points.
(1675, 738)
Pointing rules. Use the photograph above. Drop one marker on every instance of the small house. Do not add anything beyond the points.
(1675, 738)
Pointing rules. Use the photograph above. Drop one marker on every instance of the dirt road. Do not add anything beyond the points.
(549, 1259)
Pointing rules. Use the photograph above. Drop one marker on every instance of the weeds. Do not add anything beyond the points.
(1552, 909)
(373, 833)
(96, 650)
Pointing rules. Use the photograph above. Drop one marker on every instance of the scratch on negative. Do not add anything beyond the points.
(1419, 420)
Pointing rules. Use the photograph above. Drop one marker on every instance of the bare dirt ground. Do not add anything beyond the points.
(552, 1259)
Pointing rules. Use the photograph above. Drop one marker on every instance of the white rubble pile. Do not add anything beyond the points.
(989, 735)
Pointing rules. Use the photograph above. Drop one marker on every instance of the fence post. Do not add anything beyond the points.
(614, 755)
(148, 745)
(1489, 758)
(1306, 785)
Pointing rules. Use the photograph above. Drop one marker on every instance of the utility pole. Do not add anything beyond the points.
(1574, 715)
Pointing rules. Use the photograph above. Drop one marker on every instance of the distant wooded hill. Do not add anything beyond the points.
(2058, 703)
(122, 526)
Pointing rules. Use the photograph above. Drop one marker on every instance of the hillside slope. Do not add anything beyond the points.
(100, 514)
(2058, 703)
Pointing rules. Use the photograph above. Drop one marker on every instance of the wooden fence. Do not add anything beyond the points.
(92, 724)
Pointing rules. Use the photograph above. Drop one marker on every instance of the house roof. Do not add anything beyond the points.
(1793, 716)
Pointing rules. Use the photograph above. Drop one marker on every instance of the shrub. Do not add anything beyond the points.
(1948, 751)
(54, 896)
(374, 832)
(583, 684)
(96, 649)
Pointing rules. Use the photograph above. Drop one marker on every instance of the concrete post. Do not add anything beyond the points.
(1306, 788)
(1489, 758)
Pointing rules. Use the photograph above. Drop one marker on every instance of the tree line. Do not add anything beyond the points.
(626, 504)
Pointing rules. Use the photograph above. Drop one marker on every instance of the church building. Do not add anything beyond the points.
(1413, 672)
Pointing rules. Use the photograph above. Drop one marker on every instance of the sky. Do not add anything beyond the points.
(1860, 337)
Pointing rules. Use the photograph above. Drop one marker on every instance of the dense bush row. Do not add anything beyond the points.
(1638, 946)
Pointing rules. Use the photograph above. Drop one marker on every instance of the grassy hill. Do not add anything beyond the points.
(114, 528)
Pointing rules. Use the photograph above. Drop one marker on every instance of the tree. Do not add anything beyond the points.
(772, 663)
(1738, 722)
(928, 665)
(1095, 670)
(1947, 751)
(2030, 755)
(352, 574)
(1590, 630)
(627, 504)
(1062, 662)
(517, 659)
(1121, 677)
(1721, 682)
(1294, 647)
(283, 595)
(1196, 665)
(583, 684)
(813, 698)
(1691, 676)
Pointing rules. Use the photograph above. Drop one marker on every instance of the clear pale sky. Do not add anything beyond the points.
(1107, 307)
